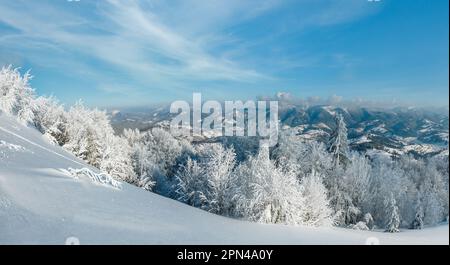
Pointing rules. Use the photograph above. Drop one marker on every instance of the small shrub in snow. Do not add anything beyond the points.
(360, 226)
(100, 178)
(368, 220)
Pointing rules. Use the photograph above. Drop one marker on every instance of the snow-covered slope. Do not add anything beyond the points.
(42, 203)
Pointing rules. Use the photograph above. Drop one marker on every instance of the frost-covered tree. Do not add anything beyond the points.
(190, 187)
(438, 178)
(306, 157)
(433, 210)
(51, 120)
(288, 148)
(142, 163)
(220, 163)
(345, 212)
(159, 155)
(392, 214)
(86, 132)
(442, 166)
(348, 189)
(386, 179)
(338, 143)
(316, 158)
(316, 209)
(242, 145)
(357, 177)
(208, 183)
(268, 194)
(413, 168)
(16, 95)
(419, 213)
(115, 159)
(165, 148)
(429, 181)
(91, 138)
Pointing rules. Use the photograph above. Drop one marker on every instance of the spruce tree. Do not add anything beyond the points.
(393, 221)
(338, 143)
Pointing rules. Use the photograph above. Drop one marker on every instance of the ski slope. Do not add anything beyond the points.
(42, 203)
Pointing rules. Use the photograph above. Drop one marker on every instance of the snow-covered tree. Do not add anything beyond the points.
(164, 148)
(419, 213)
(86, 132)
(348, 188)
(316, 209)
(160, 155)
(115, 159)
(220, 163)
(439, 180)
(51, 120)
(208, 182)
(345, 212)
(16, 95)
(91, 138)
(141, 159)
(433, 210)
(413, 168)
(267, 193)
(357, 177)
(392, 215)
(305, 156)
(430, 185)
(386, 179)
(338, 143)
(243, 146)
(190, 187)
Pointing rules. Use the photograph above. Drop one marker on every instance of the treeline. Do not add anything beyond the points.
(295, 182)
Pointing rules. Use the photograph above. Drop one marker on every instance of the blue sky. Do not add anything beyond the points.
(125, 53)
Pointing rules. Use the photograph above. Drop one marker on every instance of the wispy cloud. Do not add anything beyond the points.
(156, 44)
(134, 40)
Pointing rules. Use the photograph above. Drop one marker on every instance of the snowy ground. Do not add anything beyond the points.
(42, 203)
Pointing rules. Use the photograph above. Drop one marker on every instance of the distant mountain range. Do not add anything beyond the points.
(390, 131)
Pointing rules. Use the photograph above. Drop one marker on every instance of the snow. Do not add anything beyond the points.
(444, 136)
(443, 153)
(322, 125)
(380, 129)
(361, 140)
(421, 148)
(4, 145)
(359, 130)
(312, 134)
(330, 110)
(42, 203)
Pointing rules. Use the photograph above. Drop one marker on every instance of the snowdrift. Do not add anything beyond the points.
(47, 196)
